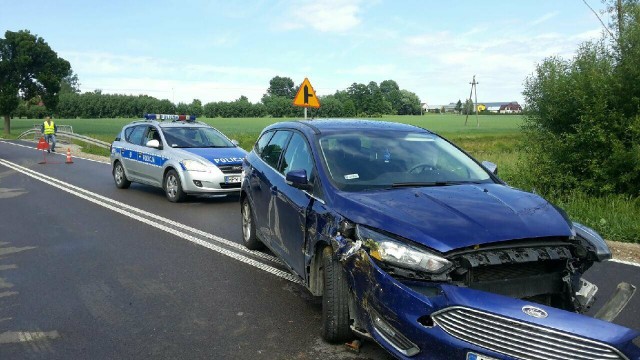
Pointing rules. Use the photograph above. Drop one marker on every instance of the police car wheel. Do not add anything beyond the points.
(120, 177)
(173, 187)
(249, 237)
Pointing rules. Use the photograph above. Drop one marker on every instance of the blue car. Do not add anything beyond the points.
(414, 244)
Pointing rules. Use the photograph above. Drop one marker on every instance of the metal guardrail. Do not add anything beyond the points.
(66, 134)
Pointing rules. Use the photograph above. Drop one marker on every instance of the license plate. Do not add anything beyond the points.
(475, 356)
(232, 179)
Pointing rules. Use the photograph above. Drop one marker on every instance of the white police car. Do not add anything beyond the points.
(178, 154)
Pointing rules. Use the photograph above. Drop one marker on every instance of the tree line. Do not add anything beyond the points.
(371, 100)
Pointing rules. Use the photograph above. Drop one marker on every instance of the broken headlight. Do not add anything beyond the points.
(400, 254)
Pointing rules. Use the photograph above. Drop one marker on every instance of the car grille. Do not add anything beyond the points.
(519, 339)
(230, 169)
(230, 186)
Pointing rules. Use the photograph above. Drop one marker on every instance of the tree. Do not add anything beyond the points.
(468, 107)
(458, 106)
(28, 68)
(281, 86)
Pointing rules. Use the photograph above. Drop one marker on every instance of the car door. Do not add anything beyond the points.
(131, 151)
(292, 205)
(262, 177)
(151, 159)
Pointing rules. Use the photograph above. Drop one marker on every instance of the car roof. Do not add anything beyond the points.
(168, 124)
(320, 126)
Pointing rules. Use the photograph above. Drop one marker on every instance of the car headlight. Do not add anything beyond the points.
(194, 165)
(397, 253)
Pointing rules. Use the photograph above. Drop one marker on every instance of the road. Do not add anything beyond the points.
(93, 272)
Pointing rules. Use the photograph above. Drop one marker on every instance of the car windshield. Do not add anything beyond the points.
(390, 159)
(195, 137)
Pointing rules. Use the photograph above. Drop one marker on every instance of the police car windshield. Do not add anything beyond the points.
(195, 137)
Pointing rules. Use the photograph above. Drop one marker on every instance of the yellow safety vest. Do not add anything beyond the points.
(49, 128)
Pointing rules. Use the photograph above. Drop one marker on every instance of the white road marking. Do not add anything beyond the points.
(624, 262)
(157, 217)
(56, 153)
(74, 190)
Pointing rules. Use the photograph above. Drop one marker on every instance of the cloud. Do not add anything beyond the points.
(544, 18)
(323, 15)
(501, 63)
(179, 81)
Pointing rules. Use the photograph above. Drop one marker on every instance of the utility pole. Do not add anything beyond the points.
(473, 89)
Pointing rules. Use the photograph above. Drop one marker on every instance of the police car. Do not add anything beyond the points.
(178, 154)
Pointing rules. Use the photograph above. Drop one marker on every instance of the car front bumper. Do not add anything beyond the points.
(208, 182)
(429, 320)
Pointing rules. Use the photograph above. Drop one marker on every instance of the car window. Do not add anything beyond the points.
(271, 152)
(196, 137)
(263, 141)
(297, 156)
(153, 134)
(360, 161)
(136, 134)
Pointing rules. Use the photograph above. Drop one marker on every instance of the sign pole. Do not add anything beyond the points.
(305, 113)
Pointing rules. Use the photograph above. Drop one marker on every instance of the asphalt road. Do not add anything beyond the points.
(88, 271)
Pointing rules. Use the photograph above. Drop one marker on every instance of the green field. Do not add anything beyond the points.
(498, 139)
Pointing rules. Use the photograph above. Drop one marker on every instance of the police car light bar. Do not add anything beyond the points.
(188, 118)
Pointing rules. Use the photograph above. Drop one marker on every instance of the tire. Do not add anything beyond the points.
(120, 177)
(173, 187)
(249, 236)
(335, 300)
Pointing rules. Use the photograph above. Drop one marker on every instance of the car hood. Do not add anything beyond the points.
(446, 218)
(220, 156)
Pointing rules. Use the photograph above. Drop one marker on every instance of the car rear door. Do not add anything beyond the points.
(261, 180)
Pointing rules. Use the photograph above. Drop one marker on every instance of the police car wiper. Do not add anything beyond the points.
(430, 183)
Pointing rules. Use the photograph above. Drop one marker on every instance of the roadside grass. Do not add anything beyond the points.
(498, 139)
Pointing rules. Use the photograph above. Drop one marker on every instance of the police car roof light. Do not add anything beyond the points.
(161, 117)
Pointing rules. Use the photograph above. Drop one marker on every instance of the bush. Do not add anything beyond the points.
(582, 122)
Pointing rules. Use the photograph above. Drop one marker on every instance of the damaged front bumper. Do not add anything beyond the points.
(433, 320)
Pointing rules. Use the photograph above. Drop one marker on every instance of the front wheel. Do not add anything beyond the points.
(120, 177)
(249, 237)
(335, 300)
(173, 187)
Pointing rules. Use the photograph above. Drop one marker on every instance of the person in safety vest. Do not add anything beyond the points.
(49, 129)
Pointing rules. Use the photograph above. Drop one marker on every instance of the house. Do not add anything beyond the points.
(504, 107)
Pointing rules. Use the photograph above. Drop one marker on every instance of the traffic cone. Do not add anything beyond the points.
(69, 161)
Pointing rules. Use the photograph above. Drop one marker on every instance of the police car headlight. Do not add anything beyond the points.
(193, 165)
(401, 254)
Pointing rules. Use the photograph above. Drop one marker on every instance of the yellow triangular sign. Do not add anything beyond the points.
(306, 96)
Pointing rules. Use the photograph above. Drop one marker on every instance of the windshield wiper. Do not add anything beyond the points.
(430, 183)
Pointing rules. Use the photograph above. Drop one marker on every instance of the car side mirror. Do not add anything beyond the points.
(493, 168)
(298, 179)
(154, 144)
(235, 142)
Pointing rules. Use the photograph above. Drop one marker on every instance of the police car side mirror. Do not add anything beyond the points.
(154, 144)
(235, 142)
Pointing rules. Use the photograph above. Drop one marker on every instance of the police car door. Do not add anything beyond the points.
(131, 151)
(151, 158)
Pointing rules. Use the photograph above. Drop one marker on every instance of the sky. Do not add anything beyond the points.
(213, 50)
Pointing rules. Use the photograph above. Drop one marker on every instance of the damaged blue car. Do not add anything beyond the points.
(414, 244)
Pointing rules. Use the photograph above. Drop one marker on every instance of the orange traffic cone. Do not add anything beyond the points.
(69, 161)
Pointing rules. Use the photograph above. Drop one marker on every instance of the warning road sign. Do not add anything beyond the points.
(306, 96)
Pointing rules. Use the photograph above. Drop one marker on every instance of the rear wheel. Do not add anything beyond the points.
(173, 187)
(335, 300)
(120, 177)
(249, 237)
